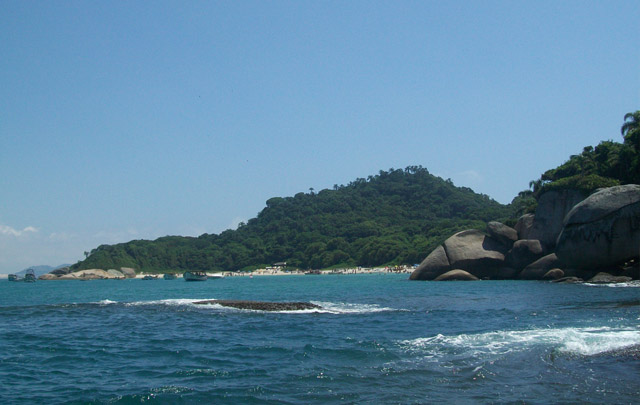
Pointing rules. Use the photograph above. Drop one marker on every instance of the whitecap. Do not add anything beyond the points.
(629, 284)
(348, 308)
(581, 341)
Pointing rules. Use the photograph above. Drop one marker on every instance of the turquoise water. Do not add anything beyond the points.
(378, 339)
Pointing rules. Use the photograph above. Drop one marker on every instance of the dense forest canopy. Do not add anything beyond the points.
(608, 164)
(395, 217)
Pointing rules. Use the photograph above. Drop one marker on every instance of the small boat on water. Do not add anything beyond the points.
(148, 277)
(14, 277)
(195, 276)
(169, 276)
(30, 276)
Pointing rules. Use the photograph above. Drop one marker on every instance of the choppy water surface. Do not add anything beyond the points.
(378, 339)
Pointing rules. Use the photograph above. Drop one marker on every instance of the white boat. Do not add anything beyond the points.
(195, 276)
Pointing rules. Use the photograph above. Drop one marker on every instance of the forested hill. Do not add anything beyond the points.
(395, 217)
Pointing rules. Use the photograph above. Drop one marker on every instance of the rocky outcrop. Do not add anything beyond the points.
(537, 269)
(523, 226)
(471, 250)
(432, 266)
(552, 208)
(603, 230)
(261, 305)
(89, 274)
(502, 233)
(606, 278)
(128, 272)
(553, 274)
(456, 275)
(523, 253)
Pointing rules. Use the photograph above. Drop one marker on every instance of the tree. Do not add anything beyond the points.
(631, 129)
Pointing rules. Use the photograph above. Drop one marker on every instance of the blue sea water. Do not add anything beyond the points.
(377, 339)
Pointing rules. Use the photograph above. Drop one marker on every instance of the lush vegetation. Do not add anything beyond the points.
(395, 217)
(608, 164)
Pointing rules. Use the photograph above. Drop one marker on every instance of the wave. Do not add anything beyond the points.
(325, 307)
(581, 341)
(632, 284)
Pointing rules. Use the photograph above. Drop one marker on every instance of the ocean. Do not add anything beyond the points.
(378, 338)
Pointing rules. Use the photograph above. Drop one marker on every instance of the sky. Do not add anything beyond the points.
(136, 120)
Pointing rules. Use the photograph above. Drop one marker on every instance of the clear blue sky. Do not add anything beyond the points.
(134, 120)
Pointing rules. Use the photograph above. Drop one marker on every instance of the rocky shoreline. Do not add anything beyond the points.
(570, 238)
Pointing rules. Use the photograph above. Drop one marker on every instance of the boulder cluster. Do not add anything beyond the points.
(569, 238)
(65, 273)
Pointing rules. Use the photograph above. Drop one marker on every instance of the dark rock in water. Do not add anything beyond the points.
(553, 274)
(568, 280)
(606, 278)
(537, 269)
(456, 275)
(603, 230)
(506, 273)
(261, 305)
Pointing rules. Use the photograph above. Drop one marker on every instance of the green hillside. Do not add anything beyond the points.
(395, 217)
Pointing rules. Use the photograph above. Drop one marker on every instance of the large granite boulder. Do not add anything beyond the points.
(61, 271)
(128, 272)
(49, 276)
(432, 266)
(524, 252)
(523, 226)
(471, 250)
(116, 274)
(538, 269)
(456, 275)
(502, 233)
(603, 230)
(475, 252)
(552, 208)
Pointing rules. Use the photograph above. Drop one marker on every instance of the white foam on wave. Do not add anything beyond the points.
(347, 308)
(107, 302)
(629, 284)
(325, 307)
(582, 341)
(169, 302)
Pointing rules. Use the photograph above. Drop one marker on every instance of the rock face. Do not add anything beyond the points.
(472, 251)
(538, 269)
(502, 233)
(89, 274)
(456, 275)
(475, 252)
(603, 230)
(523, 227)
(128, 272)
(432, 266)
(552, 208)
(523, 253)
(606, 278)
(261, 305)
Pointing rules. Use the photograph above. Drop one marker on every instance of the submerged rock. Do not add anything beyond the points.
(606, 278)
(456, 275)
(261, 305)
